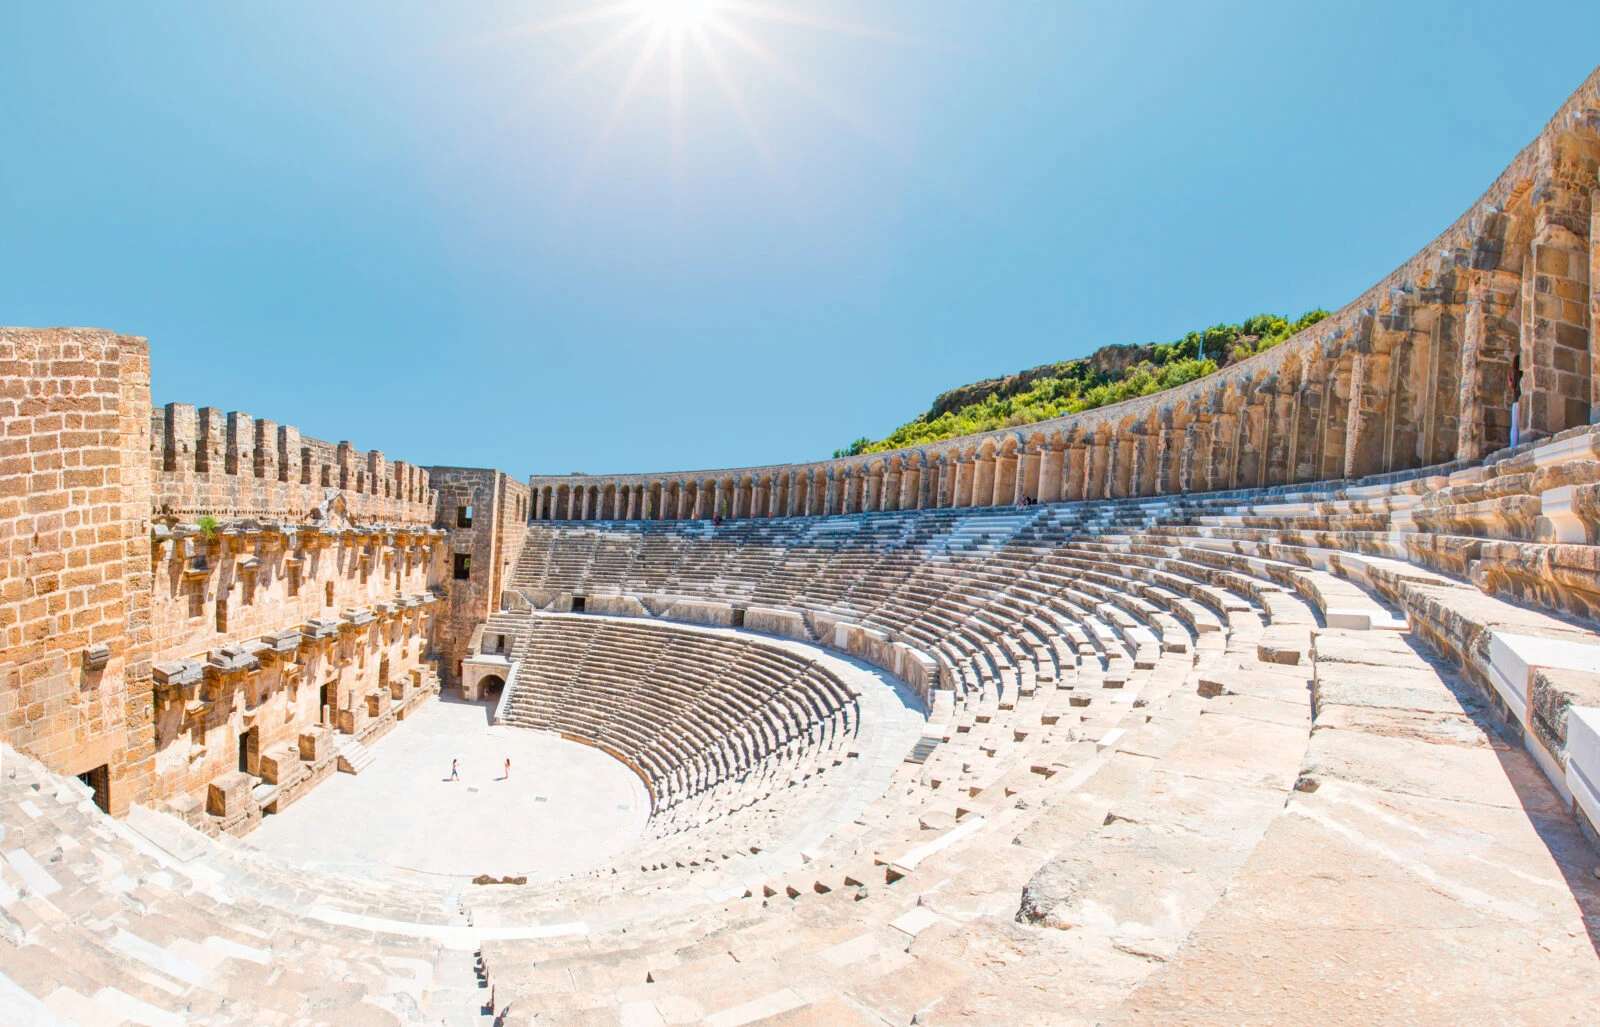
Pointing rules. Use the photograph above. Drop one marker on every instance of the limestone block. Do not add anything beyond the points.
(616, 606)
(280, 765)
(316, 745)
(785, 623)
(1553, 694)
(694, 611)
(1583, 761)
(351, 721)
(378, 704)
(228, 796)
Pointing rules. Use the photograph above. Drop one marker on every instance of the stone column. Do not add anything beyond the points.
(891, 491)
(717, 498)
(982, 481)
(265, 447)
(208, 450)
(961, 492)
(1555, 346)
(874, 488)
(1030, 480)
(910, 497)
(1005, 480)
(239, 457)
(1470, 426)
(1163, 458)
(632, 509)
(945, 497)
(1049, 474)
(1594, 305)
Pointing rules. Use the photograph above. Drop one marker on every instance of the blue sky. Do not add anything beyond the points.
(446, 232)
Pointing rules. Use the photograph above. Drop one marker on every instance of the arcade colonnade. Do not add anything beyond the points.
(1483, 340)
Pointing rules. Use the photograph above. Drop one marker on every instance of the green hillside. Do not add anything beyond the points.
(1107, 375)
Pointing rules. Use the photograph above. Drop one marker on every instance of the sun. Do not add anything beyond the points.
(676, 15)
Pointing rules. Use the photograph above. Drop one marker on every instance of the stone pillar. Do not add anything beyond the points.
(717, 498)
(1030, 478)
(1186, 459)
(1558, 318)
(874, 488)
(291, 466)
(264, 450)
(1470, 426)
(927, 484)
(945, 497)
(910, 497)
(181, 428)
(377, 473)
(344, 457)
(1049, 465)
(1005, 480)
(961, 494)
(208, 450)
(982, 481)
(1594, 305)
(891, 490)
(239, 455)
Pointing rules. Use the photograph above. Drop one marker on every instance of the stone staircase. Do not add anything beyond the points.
(353, 756)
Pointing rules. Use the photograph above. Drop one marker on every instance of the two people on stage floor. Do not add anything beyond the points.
(455, 771)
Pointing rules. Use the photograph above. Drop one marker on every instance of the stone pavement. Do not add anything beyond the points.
(566, 807)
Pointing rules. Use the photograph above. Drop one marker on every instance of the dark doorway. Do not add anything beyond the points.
(577, 604)
(326, 702)
(738, 619)
(491, 687)
(249, 750)
(100, 780)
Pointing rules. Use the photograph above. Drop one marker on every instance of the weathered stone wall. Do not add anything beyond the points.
(75, 634)
(232, 465)
(490, 538)
(177, 658)
(278, 632)
(1495, 315)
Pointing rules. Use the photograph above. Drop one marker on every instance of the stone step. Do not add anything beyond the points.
(354, 757)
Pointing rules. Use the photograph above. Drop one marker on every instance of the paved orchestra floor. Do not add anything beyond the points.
(565, 808)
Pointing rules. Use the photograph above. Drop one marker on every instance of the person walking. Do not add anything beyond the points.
(454, 775)
(507, 776)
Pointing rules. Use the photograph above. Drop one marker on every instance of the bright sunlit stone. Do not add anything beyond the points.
(676, 15)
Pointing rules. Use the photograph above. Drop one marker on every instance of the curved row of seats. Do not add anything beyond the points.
(1219, 758)
(1164, 713)
(690, 711)
(149, 922)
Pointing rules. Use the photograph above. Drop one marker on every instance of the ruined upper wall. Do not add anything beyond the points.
(233, 465)
(1484, 336)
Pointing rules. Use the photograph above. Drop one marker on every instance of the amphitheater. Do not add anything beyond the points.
(1270, 699)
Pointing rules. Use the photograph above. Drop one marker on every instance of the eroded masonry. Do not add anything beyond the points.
(1279, 702)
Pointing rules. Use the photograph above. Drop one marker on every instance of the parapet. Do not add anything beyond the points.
(232, 465)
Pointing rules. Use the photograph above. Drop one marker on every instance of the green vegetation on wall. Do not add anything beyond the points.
(1109, 375)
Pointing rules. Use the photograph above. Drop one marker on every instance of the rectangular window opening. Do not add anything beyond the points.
(100, 780)
(463, 567)
(463, 516)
